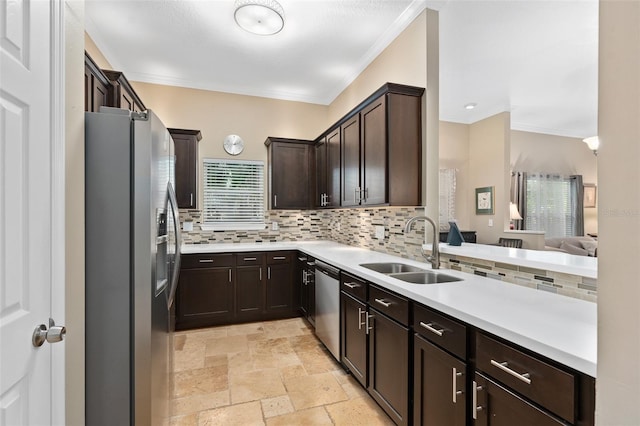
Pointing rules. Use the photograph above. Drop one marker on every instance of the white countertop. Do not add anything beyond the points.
(559, 327)
(555, 261)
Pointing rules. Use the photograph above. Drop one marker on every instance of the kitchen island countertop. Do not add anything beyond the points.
(558, 327)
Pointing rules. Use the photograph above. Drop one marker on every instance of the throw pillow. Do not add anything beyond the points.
(571, 249)
(590, 247)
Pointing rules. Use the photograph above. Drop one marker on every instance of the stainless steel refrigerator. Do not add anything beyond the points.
(132, 248)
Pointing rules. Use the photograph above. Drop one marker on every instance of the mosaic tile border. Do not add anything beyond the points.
(356, 227)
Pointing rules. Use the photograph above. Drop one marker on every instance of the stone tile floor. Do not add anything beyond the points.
(264, 373)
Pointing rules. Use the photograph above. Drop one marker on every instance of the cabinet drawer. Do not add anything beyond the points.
(533, 378)
(248, 259)
(275, 257)
(193, 261)
(447, 333)
(354, 286)
(390, 304)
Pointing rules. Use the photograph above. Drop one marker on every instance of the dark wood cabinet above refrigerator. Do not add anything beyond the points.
(186, 150)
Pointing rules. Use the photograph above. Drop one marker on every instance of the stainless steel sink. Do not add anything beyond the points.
(425, 277)
(391, 267)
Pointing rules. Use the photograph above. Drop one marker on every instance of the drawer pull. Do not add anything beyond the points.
(279, 257)
(360, 322)
(476, 407)
(247, 259)
(302, 259)
(504, 367)
(383, 303)
(431, 329)
(352, 285)
(311, 263)
(455, 392)
(205, 260)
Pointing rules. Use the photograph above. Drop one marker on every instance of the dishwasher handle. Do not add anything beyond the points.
(327, 270)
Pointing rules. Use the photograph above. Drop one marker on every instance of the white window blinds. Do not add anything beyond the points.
(447, 197)
(549, 204)
(233, 194)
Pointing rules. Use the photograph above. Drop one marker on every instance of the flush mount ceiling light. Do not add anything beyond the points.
(472, 105)
(593, 143)
(262, 17)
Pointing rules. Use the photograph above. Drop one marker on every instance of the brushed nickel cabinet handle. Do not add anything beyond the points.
(368, 326)
(432, 329)
(455, 392)
(383, 303)
(229, 274)
(360, 322)
(476, 408)
(352, 285)
(279, 258)
(249, 259)
(524, 377)
(205, 260)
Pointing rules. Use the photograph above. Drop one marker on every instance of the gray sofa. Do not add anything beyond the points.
(581, 246)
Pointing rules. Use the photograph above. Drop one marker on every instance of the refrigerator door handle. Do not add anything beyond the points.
(173, 202)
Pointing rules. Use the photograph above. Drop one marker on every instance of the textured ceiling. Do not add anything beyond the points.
(535, 58)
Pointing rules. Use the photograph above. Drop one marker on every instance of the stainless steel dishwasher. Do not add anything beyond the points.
(328, 307)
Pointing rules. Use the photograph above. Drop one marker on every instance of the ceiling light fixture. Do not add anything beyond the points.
(593, 143)
(261, 17)
(472, 105)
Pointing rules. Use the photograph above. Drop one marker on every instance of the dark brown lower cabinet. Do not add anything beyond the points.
(205, 297)
(494, 405)
(249, 292)
(354, 337)
(389, 365)
(439, 391)
(279, 288)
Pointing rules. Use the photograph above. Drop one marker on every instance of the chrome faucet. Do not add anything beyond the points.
(434, 258)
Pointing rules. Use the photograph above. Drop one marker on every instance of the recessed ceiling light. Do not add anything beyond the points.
(472, 105)
(262, 17)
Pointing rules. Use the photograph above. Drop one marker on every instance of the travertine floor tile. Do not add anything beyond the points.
(255, 385)
(358, 411)
(200, 381)
(201, 402)
(276, 406)
(188, 420)
(248, 414)
(312, 417)
(292, 371)
(189, 359)
(314, 390)
(216, 360)
(318, 361)
(225, 345)
(245, 329)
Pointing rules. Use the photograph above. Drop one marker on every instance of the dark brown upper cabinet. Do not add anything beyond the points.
(122, 94)
(96, 86)
(291, 173)
(328, 170)
(382, 149)
(186, 149)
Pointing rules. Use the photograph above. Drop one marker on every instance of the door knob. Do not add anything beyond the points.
(52, 335)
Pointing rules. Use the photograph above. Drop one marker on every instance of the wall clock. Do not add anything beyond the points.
(484, 200)
(233, 144)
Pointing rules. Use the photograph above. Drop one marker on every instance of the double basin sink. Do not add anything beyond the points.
(409, 273)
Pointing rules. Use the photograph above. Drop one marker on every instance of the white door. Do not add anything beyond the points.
(31, 204)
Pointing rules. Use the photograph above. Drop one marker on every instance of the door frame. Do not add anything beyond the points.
(58, 197)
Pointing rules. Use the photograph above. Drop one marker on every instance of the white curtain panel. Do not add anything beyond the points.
(447, 197)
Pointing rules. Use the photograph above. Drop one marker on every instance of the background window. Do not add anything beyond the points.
(233, 195)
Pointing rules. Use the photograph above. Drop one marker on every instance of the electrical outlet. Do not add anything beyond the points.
(274, 226)
(380, 232)
(490, 222)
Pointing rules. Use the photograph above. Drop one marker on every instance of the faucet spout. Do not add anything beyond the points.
(434, 258)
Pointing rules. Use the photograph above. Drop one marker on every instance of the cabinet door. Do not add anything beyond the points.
(439, 395)
(496, 406)
(279, 288)
(333, 169)
(186, 164)
(290, 175)
(373, 139)
(205, 297)
(321, 173)
(350, 133)
(249, 298)
(389, 366)
(354, 337)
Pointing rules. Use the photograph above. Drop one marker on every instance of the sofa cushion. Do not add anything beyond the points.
(572, 249)
(590, 247)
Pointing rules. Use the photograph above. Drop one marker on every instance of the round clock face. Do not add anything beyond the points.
(233, 144)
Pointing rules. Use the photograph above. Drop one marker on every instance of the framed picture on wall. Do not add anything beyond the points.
(484, 200)
(589, 195)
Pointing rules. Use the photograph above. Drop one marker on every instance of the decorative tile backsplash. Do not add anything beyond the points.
(356, 227)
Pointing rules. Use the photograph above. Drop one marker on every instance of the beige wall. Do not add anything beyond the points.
(489, 166)
(74, 211)
(218, 114)
(537, 152)
(618, 382)
(95, 53)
